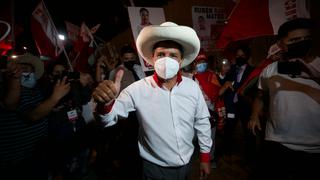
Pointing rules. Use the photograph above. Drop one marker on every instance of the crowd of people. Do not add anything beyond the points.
(122, 122)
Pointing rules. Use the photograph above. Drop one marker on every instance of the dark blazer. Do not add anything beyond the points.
(241, 106)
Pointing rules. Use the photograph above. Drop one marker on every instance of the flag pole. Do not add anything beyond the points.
(233, 9)
(56, 35)
(13, 42)
(91, 35)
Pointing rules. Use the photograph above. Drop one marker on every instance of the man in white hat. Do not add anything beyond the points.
(170, 108)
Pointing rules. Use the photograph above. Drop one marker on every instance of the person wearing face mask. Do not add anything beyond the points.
(171, 108)
(26, 133)
(68, 121)
(124, 135)
(237, 105)
(132, 69)
(210, 86)
(292, 143)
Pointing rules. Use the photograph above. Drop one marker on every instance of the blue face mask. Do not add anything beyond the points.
(28, 80)
(202, 67)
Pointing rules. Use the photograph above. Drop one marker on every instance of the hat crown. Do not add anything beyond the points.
(168, 31)
(168, 24)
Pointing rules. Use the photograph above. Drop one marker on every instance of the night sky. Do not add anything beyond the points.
(111, 14)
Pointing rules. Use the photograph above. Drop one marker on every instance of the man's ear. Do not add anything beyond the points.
(180, 61)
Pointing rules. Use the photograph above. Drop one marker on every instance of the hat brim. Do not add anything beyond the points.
(183, 35)
(34, 61)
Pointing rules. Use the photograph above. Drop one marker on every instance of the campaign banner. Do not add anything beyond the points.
(208, 23)
(141, 17)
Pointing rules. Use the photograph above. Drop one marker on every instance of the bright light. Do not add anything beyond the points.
(225, 61)
(25, 48)
(14, 56)
(61, 37)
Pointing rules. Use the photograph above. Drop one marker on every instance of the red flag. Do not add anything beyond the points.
(252, 18)
(45, 33)
(83, 48)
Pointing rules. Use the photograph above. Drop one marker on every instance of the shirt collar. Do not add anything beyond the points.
(160, 81)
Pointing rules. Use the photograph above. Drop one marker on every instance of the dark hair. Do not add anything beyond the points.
(245, 49)
(52, 64)
(126, 49)
(143, 9)
(298, 23)
(179, 46)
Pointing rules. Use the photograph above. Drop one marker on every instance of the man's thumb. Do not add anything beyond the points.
(118, 77)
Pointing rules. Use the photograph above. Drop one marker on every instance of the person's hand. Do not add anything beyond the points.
(85, 79)
(204, 170)
(13, 71)
(61, 89)
(227, 85)
(254, 124)
(108, 90)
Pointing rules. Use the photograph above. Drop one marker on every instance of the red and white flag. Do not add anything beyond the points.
(45, 33)
(83, 47)
(73, 31)
(253, 18)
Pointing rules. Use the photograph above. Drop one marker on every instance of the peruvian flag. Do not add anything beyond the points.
(44, 32)
(252, 18)
(73, 31)
(83, 47)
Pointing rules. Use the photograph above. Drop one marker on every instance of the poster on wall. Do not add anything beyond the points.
(208, 23)
(141, 17)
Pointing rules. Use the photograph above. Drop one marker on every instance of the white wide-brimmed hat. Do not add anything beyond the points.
(34, 61)
(183, 35)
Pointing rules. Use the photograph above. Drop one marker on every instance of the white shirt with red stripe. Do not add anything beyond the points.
(168, 119)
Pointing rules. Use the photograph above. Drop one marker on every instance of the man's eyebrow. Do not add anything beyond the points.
(296, 38)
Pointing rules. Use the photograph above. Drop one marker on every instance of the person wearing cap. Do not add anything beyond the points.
(292, 132)
(171, 109)
(23, 134)
(210, 86)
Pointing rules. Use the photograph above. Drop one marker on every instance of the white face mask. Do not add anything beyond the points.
(28, 80)
(166, 67)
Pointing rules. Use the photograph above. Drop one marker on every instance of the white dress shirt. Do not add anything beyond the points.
(168, 119)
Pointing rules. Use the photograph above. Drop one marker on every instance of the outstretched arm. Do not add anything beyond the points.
(289, 85)
(43, 109)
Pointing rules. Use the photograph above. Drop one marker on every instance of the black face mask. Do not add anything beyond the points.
(299, 49)
(129, 64)
(241, 61)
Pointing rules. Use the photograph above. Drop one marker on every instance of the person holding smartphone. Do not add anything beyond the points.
(292, 136)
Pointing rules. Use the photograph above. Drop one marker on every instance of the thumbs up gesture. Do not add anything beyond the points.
(108, 90)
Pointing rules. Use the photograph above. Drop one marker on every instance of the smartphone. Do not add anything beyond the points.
(73, 75)
(290, 67)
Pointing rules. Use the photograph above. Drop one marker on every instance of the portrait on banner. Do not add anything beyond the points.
(141, 17)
